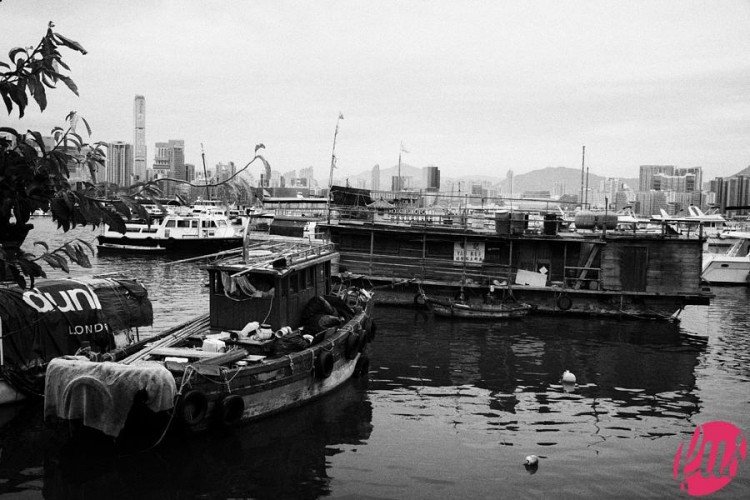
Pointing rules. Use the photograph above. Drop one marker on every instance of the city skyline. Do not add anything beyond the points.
(488, 88)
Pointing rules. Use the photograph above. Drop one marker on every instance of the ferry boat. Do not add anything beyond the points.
(277, 335)
(622, 273)
(176, 232)
(60, 317)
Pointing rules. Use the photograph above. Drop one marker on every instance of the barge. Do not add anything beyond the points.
(595, 270)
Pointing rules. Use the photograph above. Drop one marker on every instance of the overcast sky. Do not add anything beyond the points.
(472, 87)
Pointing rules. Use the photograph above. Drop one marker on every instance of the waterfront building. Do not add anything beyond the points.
(169, 161)
(139, 138)
(432, 178)
(119, 163)
(647, 173)
(650, 202)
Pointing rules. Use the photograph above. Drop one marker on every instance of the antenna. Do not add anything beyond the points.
(583, 161)
(205, 175)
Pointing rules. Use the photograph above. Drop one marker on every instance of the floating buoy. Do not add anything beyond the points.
(568, 378)
(531, 460)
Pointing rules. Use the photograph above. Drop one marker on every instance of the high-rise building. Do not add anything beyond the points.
(375, 178)
(647, 173)
(169, 161)
(139, 138)
(432, 178)
(307, 175)
(119, 164)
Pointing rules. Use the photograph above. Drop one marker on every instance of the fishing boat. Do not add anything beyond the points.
(276, 336)
(183, 232)
(62, 317)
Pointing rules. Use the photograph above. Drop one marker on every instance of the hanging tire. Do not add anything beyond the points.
(419, 300)
(564, 303)
(323, 365)
(362, 368)
(193, 407)
(353, 345)
(230, 410)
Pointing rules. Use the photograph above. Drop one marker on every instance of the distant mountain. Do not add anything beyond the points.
(537, 180)
(545, 179)
(744, 171)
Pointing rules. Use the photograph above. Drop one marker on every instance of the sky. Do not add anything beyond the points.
(476, 88)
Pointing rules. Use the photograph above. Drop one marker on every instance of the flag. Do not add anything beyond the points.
(403, 149)
(341, 116)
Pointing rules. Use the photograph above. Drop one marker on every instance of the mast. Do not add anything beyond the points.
(583, 161)
(333, 165)
(205, 174)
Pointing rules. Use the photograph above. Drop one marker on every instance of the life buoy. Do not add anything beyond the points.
(564, 303)
(230, 409)
(362, 368)
(193, 407)
(419, 300)
(323, 365)
(353, 343)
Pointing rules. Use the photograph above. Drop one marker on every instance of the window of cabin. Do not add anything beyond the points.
(208, 223)
(309, 277)
(170, 223)
(294, 283)
(301, 279)
(183, 223)
(386, 245)
(440, 249)
(221, 223)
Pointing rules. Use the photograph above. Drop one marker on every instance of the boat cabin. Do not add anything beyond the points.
(272, 282)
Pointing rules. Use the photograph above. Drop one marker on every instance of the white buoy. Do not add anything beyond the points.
(531, 460)
(568, 378)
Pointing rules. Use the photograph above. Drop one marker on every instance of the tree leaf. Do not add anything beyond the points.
(15, 51)
(88, 129)
(43, 244)
(74, 88)
(37, 90)
(38, 138)
(70, 43)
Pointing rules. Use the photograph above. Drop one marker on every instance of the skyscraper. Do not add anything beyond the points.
(139, 140)
(119, 163)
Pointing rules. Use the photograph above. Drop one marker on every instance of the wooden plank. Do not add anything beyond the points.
(183, 352)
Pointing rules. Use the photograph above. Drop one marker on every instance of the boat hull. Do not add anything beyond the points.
(449, 309)
(168, 245)
(727, 271)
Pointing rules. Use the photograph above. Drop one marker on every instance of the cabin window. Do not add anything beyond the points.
(183, 223)
(386, 245)
(440, 250)
(309, 277)
(208, 223)
(355, 242)
(170, 223)
(221, 223)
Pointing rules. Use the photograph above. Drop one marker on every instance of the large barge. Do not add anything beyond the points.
(597, 271)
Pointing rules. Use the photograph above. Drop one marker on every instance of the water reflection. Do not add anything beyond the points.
(284, 456)
(507, 375)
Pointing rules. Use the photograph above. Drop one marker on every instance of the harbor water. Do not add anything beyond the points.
(450, 410)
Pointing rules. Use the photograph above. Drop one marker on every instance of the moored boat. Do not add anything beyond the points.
(479, 311)
(275, 337)
(175, 233)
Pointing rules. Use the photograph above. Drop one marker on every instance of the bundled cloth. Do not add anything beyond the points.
(101, 394)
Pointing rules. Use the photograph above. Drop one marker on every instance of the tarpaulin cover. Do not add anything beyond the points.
(57, 316)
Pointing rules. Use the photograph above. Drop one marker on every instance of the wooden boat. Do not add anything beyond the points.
(468, 310)
(275, 337)
(60, 317)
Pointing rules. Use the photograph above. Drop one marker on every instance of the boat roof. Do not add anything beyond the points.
(276, 257)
